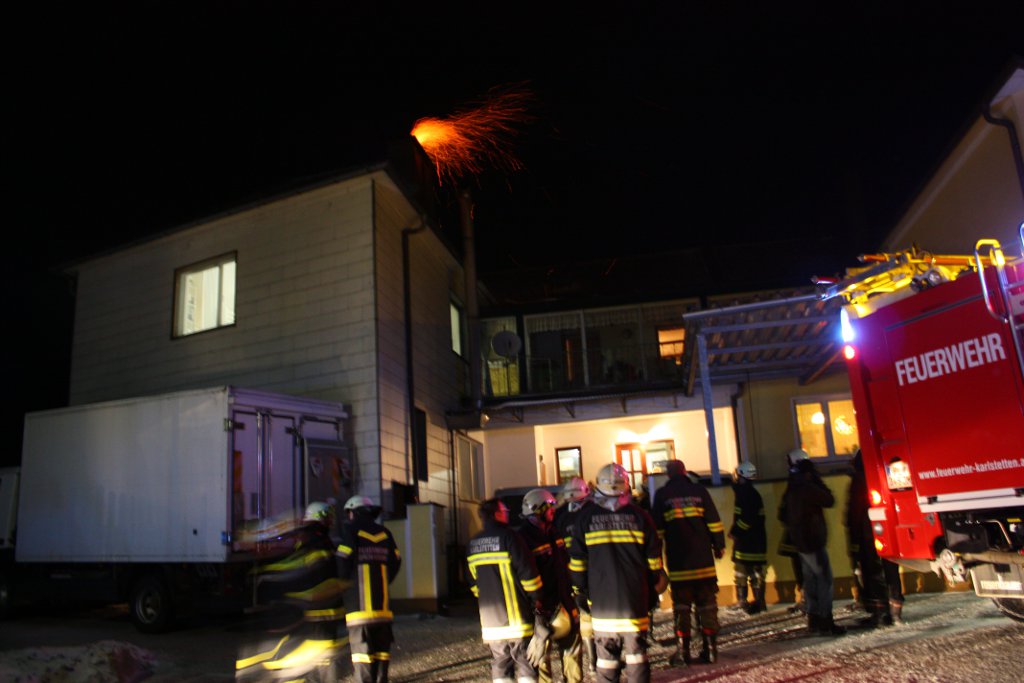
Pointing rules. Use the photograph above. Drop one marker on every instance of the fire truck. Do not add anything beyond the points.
(934, 346)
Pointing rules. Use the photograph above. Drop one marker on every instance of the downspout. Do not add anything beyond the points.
(1011, 130)
(472, 307)
(410, 384)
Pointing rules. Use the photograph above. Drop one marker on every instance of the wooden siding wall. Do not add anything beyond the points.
(304, 310)
(433, 273)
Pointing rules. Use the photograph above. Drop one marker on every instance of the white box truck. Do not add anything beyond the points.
(150, 500)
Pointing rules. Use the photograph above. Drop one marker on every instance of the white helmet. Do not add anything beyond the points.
(356, 502)
(613, 480)
(319, 512)
(537, 502)
(575, 490)
(746, 470)
(796, 455)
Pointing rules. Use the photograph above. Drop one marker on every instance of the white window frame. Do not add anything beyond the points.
(823, 400)
(225, 297)
(470, 469)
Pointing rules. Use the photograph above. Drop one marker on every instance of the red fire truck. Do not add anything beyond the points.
(934, 345)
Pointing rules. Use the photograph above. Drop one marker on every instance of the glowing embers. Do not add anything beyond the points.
(473, 139)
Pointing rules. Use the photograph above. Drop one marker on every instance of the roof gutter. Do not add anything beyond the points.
(1011, 130)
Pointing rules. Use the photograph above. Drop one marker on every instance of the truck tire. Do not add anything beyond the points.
(151, 604)
(1011, 607)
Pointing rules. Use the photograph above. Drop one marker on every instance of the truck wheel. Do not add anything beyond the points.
(152, 609)
(1011, 607)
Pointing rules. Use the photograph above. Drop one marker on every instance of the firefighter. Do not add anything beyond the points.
(368, 561)
(616, 569)
(508, 587)
(786, 547)
(694, 537)
(875, 580)
(749, 539)
(542, 539)
(575, 495)
(305, 590)
(803, 507)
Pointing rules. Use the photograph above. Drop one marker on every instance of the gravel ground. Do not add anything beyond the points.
(948, 637)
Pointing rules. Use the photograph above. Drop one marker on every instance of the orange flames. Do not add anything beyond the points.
(474, 139)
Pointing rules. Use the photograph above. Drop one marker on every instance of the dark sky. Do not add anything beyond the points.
(659, 125)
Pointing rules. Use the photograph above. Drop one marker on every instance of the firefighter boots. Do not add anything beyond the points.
(681, 657)
(896, 609)
(709, 648)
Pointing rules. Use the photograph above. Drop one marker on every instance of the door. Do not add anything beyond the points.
(264, 467)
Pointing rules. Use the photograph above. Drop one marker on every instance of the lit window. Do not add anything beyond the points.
(204, 296)
(826, 427)
(458, 327)
(670, 343)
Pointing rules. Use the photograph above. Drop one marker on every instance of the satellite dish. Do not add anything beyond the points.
(506, 344)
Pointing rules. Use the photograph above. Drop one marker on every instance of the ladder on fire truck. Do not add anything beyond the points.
(890, 275)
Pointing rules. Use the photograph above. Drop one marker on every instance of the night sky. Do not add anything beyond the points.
(657, 125)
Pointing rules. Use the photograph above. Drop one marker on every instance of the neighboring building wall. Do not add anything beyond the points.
(766, 421)
(975, 193)
(433, 270)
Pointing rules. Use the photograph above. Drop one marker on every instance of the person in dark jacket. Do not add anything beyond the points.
(558, 604)
(369, 561)
(616, 569)
(803, 507)
(749, 539)
(786, 547)
(575, 495)
(694, 538)
(505, 580)
(861, 546)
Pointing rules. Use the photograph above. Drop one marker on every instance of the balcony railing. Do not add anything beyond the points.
(607, 367)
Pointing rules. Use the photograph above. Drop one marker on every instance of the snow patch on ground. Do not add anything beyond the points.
(105, 661)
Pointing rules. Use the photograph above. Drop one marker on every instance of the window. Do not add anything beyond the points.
(470, 457)
(458, 327)
(568, 463)
(826, 427)
(204, 296)
(419, 445)
(670, 344)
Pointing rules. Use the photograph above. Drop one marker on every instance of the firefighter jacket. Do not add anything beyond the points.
(689, 524)
(505, 580)
(565, 519)
(306, 579)
(553, 565)
(802, 509)
(614, 558)
(368, 561)
(750, 542)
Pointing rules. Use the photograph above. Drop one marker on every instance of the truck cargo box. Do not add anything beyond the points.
(174, 477)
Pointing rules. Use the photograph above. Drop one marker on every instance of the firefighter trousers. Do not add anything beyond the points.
(371, 651)
(570, 654)
(614, 649)
(697, 597)
(509, 662)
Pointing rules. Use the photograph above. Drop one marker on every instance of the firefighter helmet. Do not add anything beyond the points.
(537, 502)
(575, 490)
(356, 502)
(796, 455)
(319, 512)
(612, 480)
(747, 470)
(561, 622)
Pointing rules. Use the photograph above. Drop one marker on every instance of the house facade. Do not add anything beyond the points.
(301, 294)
